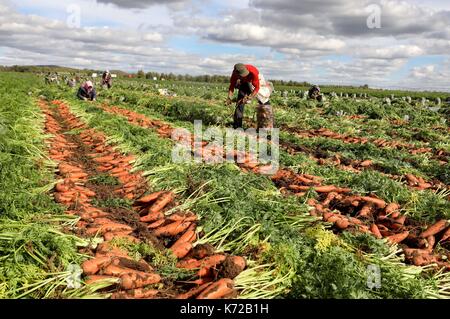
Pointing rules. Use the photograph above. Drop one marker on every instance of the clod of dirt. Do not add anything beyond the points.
(202, 251)
(232, 267)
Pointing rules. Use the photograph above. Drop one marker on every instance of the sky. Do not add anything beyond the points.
(382, 43)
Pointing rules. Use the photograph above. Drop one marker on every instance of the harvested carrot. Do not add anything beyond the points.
(186, 218)
(398, 238)
(172, 229)
(376, 231)
(221, 289)
(325, 189)
(366, 211)
(181, 250)
(149, 198)
(431, 240)
(376, 201)
(194, 291)
(152, 217)
(208, 263)
(156, 224)
(435, 229)
(96, 278)
(117, 271)
(391, 208)
(61, 188)
(138, 280)
(238, 262)
(446, 235)
(162, 201)
(188, 237)
(331, 196)
(92, 266)
(77, 175)
(342, 223)
(366, 163)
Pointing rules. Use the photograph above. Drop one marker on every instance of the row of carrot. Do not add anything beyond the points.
(371, 215)
(439, 155)
(112, 262)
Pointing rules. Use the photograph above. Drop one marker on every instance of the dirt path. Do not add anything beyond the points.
(96, 184)
(342, 208)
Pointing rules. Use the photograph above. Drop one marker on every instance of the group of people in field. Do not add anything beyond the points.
(245, 78)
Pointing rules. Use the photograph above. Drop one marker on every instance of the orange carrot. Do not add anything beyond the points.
(299, 188)
(331, 196)
(138, 280)
(149, 198)
(162, 201)
(61, 188)
(374, 229)
(117, 271)
(221, 289)
(188, 236)
(365, 211)
(172, 229)
(156, 224)
(377, 202)
(434, 229)
(446, 235)
(186, 218)
(152, 217)
(190, 263)
(194, 291)
(181, 250)
(92, 266)
(398, 238)
(431, 242)
(391, 208)
(342, 223)
(208, 263)
(325, 189)
(95, 278)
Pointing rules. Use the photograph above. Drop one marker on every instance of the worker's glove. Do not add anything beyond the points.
(228, 102)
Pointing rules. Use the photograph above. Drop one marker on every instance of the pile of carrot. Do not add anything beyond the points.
(371, 215)
(135, 280)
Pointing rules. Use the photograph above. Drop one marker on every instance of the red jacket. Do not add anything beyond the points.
(252, 78)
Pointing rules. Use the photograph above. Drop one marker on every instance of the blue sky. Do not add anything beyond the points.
(305, 41)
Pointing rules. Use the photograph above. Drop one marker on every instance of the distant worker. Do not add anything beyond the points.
(87, 92)
(251, 84)
(314, 93)
(72, 82)
(107, 79)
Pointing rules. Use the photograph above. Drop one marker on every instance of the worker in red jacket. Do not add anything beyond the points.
(250, 83)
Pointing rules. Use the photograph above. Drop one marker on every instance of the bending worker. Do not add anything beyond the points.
(251, 84)
(87, 92)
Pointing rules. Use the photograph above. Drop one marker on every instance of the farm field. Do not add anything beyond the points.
(93, 206)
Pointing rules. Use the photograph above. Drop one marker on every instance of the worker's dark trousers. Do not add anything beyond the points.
(245, 89)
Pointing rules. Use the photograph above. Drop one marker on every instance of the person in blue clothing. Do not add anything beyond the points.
(87, 92)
